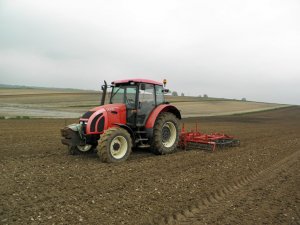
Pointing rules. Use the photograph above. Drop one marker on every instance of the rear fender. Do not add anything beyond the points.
(159, 109)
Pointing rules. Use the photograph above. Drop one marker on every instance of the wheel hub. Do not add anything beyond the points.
(166, 133)
(116, 146)
(169, 133)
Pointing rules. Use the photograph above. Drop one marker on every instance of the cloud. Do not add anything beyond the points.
(222, 48)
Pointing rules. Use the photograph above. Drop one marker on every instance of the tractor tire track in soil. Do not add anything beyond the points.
(195, 214)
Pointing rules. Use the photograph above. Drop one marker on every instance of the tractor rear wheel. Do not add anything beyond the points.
(82, 149)
(165, 134)
(115, 145)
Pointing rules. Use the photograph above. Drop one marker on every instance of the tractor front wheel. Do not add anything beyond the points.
(165, 134)
(82, 149)
(115, 145)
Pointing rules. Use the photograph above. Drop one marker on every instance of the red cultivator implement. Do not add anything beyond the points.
(197, 140)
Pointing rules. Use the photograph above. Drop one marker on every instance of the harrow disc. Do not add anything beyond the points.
(225, 143)
(201, 146)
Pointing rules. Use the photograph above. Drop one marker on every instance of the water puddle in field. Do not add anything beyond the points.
(14, 111)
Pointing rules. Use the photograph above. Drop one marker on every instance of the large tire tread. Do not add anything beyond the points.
(156, 145)
(104, 144)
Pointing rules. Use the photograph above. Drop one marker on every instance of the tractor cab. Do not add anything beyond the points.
(141, 97)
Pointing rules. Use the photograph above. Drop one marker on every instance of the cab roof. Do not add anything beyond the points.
(137, 80)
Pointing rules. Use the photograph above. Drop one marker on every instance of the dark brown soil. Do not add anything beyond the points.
(41, 184)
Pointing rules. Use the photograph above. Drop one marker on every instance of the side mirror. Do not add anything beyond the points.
(143, 87)
(165, 91)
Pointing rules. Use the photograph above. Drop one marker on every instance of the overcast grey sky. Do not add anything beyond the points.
(231, 49)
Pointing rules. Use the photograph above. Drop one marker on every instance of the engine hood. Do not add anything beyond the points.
(100, 118)
(110, 107)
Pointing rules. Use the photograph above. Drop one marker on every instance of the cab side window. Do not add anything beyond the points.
(159, 95)
(147, 94)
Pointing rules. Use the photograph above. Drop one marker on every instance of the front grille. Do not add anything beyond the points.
(101, 125)
(93, 124)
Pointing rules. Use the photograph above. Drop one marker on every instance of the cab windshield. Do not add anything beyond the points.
(124, 94)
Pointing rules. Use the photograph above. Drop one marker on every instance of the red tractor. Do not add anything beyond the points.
(136, 116)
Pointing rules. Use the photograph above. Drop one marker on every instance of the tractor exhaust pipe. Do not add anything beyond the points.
(104, 89)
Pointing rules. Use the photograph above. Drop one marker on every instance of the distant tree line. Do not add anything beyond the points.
(175, 93)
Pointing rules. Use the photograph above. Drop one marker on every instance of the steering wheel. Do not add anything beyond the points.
(129, 102)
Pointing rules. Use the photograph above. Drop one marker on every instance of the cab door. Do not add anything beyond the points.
(130, 100)
(146, 103)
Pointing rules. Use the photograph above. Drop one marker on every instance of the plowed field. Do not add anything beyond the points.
(256, 183)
